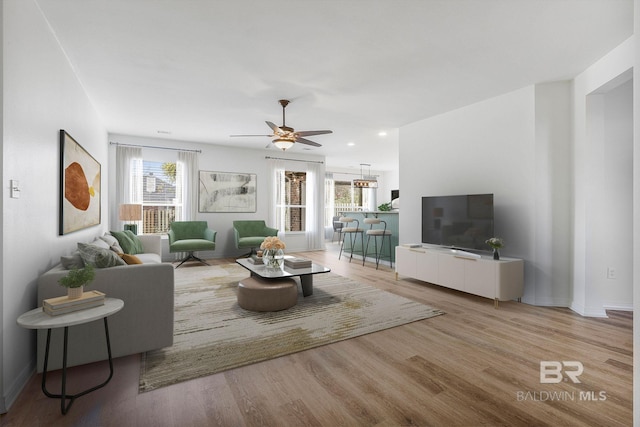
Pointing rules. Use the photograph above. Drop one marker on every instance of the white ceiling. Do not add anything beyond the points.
(203, 70)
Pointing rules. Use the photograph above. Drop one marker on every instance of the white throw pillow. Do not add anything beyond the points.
(113, 243)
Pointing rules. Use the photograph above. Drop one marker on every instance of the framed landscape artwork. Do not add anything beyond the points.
(227, 192)
(79, 186)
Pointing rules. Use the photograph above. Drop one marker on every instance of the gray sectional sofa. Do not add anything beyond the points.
(145, 323)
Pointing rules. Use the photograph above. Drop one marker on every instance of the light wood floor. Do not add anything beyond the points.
(473, 366)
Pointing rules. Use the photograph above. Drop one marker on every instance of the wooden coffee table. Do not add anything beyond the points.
(305, 274)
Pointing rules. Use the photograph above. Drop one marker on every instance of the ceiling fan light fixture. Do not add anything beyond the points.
(286, 136)
(283, 143)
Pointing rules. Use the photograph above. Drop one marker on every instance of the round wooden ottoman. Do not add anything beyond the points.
(257, 294)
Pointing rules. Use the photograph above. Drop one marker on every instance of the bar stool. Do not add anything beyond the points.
(352, 232)
(377, 232)
(337, 228)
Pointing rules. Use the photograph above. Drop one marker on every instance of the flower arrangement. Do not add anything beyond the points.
(495, 242)
(273, 255)
(272, 243)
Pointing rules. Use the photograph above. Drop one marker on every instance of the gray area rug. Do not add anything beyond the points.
(212, 333)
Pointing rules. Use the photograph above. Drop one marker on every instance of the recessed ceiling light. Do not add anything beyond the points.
(351, 143)
(382, 133)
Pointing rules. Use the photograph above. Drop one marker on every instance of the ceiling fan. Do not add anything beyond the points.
(286, 136)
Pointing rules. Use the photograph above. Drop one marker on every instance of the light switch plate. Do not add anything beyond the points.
(15, 189)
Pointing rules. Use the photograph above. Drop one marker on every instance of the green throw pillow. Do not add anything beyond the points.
(99, 257)
(138, 247)
(125, 242)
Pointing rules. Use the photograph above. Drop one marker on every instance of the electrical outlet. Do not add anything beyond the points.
(611, 273)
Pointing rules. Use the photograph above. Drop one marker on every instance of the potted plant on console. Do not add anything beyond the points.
(385, 207)
(76, 280)
(496, 243)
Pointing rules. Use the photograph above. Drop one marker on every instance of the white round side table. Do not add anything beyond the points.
(38, 319)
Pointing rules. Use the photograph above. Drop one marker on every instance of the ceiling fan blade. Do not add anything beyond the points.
(306, 141)
(313, 132)
(270, 136)
(274, 128)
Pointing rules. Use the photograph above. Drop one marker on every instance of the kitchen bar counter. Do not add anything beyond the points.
(391, 217)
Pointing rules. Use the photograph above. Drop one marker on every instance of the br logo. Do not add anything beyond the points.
(553, 372)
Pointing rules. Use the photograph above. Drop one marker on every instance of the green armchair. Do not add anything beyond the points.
(191, 236)
(251, 233)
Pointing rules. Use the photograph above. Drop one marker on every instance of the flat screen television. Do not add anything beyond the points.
(460, 222)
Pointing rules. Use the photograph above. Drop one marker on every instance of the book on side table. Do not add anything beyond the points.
(62, 305)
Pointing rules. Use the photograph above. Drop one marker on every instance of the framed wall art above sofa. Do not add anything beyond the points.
(79, 186)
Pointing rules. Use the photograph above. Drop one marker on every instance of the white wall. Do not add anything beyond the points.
(3, 400)
(481, 148)
(389, 180)
(516, 147)
(595, 153)
(617, 200)
(636, 220)
(552, 244)
(41, 95)
(221, 159)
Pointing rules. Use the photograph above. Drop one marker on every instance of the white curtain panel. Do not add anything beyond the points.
(187, 177)
(329, 196)
(129, 177)
(275, 195)
(315, 212)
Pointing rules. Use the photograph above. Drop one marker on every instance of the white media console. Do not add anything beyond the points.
(500, 280)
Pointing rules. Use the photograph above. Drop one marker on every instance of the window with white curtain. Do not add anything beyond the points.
(296, 191)
(161, 196)
(162, 180)
(291, 210)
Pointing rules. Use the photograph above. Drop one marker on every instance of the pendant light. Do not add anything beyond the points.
(368, 181)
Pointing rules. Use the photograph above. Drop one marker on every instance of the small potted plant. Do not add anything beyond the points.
(76, 280)
(496, 243)
(385, 207)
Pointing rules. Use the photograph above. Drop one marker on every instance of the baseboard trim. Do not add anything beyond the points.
(588, 312)
(18, 385)
(560, 302)
(619, 307)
